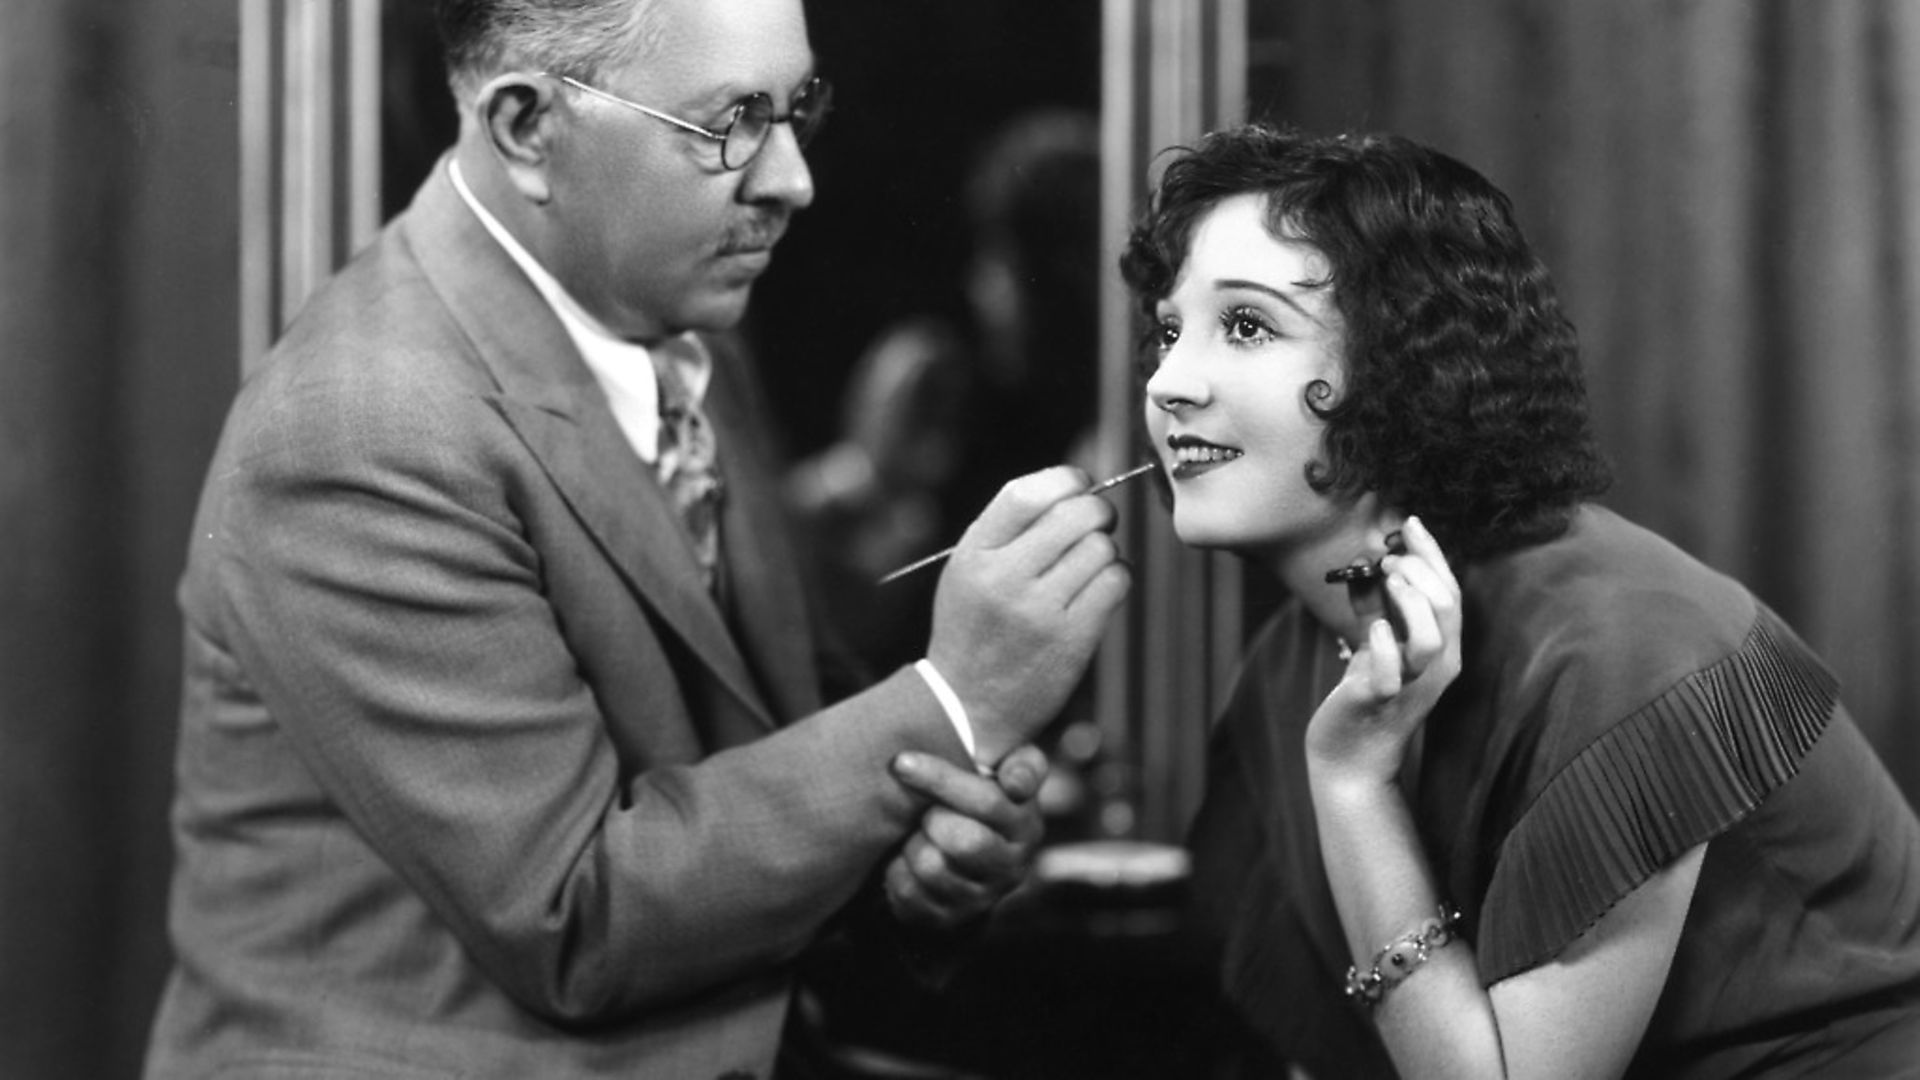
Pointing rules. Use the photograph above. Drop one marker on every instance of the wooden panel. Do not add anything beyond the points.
(1173, 70)
(310, 156)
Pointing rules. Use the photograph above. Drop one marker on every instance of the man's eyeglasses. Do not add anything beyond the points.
(749, 122)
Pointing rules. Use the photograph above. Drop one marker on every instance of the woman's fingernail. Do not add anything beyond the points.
(907, 763)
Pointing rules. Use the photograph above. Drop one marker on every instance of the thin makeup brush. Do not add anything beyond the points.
(1108, 484)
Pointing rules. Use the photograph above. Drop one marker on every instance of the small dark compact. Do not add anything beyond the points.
(1363, 580)
(1357, 574)
(1363, 572)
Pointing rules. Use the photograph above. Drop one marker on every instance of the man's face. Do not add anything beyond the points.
(652, 236)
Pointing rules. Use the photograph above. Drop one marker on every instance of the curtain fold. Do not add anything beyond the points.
(118, 169)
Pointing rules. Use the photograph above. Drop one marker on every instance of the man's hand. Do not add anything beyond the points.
(975, 842)
(1022, 603)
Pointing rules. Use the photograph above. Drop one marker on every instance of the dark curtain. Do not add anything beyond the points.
(118, 340)
(1728, 192)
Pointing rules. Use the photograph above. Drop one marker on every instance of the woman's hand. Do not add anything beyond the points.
(1361, 731)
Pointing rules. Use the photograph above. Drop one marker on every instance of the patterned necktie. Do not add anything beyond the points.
(687, 466)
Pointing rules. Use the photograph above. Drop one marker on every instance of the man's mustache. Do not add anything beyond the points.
(754, 234)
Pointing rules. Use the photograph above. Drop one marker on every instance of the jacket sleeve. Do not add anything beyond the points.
(365, 564)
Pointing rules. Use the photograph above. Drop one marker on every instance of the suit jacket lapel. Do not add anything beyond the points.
(770, 611)
(551, 400)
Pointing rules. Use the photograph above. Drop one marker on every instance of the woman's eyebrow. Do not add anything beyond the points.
(1284, 297)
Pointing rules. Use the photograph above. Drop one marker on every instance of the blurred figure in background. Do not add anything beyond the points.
(939, 411)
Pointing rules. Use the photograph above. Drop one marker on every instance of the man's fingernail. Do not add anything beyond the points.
(908, 763)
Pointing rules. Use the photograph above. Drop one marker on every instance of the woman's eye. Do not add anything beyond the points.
(1245, 327)
(1164, 334)
(1155, 343)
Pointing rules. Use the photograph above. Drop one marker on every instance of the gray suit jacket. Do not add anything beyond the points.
(474, 777)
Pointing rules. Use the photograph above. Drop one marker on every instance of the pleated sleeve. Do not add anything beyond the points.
(1671, 774)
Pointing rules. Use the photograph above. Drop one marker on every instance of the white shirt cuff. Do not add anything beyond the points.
(956, 712)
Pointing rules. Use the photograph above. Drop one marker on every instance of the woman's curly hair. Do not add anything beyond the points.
(1464, 401)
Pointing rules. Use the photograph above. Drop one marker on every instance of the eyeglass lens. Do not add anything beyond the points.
(754, 119)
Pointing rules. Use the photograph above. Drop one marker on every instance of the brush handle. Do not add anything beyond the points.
(1108, 484)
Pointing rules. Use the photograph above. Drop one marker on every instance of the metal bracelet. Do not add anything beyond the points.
(1398, 958)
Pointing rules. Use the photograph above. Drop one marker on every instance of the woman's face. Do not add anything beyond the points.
(1241, 337)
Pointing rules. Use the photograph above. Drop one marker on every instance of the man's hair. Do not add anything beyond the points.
(582, 38)
(1464, 401)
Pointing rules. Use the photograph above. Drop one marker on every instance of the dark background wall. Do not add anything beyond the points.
(921, 84)
(118, 176)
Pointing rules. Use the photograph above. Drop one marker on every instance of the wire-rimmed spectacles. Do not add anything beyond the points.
(748, 122)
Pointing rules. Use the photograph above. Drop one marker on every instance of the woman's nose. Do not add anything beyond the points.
(1175, 384)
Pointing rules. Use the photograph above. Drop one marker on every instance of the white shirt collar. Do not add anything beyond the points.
(623, 369)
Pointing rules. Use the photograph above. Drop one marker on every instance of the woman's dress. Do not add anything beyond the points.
(1619, 704)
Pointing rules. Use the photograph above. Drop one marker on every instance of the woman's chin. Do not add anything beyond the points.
(1206, 536)
(1215, 536)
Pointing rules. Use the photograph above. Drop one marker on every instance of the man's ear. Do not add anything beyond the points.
(516, 115)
